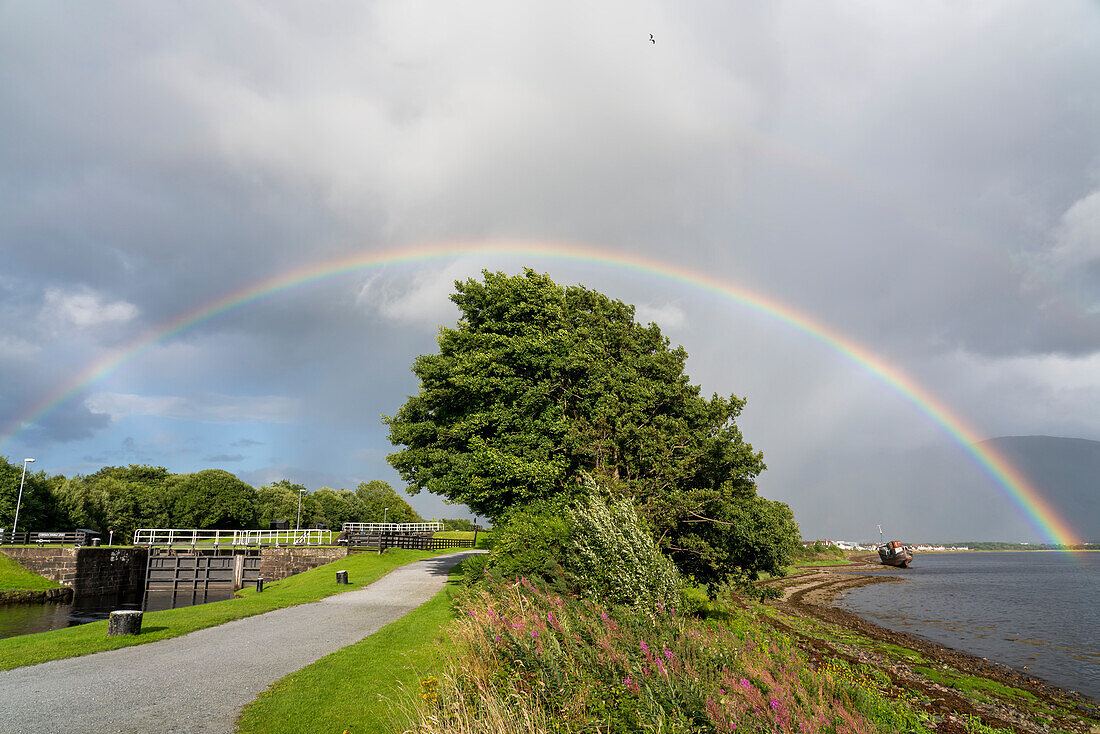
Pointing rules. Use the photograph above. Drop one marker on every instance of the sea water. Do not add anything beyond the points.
(1035, 611)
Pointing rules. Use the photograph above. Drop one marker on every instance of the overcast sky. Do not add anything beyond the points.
(921, 177)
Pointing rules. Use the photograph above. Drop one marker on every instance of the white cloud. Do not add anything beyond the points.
(83, 307)
(669, 317)
(422, 298)
(209, 408)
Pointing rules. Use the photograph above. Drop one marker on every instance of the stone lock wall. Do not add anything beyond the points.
(110, 570)
(54, 562)
(86, 570)
(279, 563)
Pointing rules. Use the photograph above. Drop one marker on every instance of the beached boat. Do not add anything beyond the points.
(896, 553)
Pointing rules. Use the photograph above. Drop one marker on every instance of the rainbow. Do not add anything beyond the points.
(1016, 487)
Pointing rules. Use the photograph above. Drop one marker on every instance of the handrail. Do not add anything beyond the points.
(194, 536)
(392, 527)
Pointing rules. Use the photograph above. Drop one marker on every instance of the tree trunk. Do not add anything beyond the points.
(125, 622)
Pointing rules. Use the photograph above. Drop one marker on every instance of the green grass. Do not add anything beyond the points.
(363, 569)
(14, 577)
(355, 689)
(972, 684)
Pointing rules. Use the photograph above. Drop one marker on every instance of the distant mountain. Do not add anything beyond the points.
(1066, 471)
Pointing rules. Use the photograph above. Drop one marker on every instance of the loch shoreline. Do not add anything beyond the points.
(929, 670)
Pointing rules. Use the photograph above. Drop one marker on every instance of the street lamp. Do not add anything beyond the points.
(15, 524)
(385, 513)
(298, 522)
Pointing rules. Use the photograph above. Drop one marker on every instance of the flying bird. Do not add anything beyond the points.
(652, 39)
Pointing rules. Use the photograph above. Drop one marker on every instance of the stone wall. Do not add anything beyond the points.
(110, 570)
(54, 562)
(86, 570)
(279, 563)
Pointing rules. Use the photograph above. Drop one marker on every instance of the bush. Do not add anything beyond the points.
(692, 601)
(612, 558)
(473, 569)
(531, 542)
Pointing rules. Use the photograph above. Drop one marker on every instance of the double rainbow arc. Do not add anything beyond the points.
(1016, 487)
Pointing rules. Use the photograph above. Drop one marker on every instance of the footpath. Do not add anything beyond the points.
(199, 682)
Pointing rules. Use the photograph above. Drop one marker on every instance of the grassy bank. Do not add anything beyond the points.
(354, 689)
(14, 577)
(363, 569)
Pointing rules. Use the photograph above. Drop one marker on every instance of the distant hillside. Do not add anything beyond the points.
(1065, 470)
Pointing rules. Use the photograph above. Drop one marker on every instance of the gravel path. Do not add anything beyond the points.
(199, 682)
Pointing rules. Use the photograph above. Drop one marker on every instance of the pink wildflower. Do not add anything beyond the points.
(644, 647)
(668, 653)
(774, 704)
(603, 615)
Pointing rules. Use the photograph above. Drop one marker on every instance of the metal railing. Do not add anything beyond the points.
(180, 536)
(393, 527)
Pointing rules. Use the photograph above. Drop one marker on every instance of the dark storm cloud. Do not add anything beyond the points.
(920, 178)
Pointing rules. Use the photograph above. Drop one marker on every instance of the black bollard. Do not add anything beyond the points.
(124, 622)
(259, 584)
(341, 577)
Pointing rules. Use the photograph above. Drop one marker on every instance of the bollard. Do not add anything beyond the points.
(124, 622)
(341, 577)
(259, 584)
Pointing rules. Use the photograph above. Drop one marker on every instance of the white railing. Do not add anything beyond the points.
(180, 536)
(392, 527)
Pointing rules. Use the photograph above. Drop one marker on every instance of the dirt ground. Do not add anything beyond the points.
(805, 611)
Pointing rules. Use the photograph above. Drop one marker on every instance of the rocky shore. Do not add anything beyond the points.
(958, 691)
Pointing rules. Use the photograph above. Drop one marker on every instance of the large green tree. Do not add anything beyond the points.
(213, 498)
(379, 501)
(538, 384)
(38, 509)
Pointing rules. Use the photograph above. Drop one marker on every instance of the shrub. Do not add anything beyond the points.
(531, 542)
(612, 558)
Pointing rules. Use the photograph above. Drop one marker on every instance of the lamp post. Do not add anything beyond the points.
(298, 522)
(385, 514)
(19, 501)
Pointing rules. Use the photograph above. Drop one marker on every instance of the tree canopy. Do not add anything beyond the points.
(538, 384)
(123, 498)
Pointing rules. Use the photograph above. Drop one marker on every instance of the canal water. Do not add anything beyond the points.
(24, 619)
(1035, 611)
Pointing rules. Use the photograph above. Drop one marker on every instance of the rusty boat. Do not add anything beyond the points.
(895, 553)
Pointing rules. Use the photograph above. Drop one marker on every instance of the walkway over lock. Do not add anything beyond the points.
(303, 536)
(192, 536)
